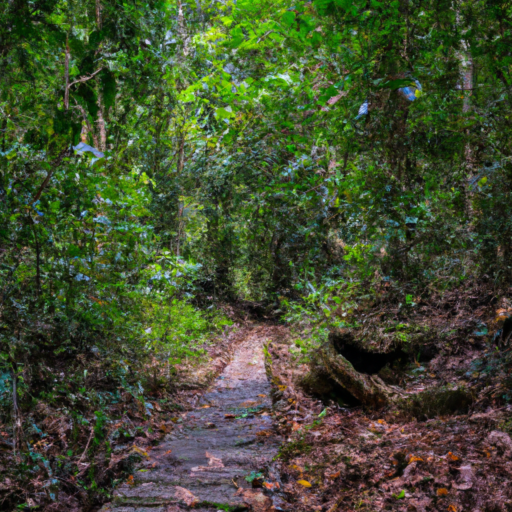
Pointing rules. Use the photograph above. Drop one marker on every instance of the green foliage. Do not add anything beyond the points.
(236, 166)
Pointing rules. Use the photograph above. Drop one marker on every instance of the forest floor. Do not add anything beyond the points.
(434, 456)
(241, 432)
(236, 450)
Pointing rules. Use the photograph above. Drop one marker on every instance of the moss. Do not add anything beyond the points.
(440, 401)
(294, 448)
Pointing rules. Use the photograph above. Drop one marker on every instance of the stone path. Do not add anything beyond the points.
(204, 462)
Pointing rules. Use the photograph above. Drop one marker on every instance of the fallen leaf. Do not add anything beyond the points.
(262, 396)
(140, 451)
(415, 459)
(305, 483)
(229, 416)
(168, 452)
(399, 496)
(382, 422)
(335, 99)
(130, 480)
(186, 496)
(452, 508)
(442, 491)
(205, 407)
(214, 462)
(334, 475)
(295, 426)
(263, 433)
(256, 499)
(271, 485)
(452, 457)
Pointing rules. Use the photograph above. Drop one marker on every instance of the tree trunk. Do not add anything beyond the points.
(368, 389)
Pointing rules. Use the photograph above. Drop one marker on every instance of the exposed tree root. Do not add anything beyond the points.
(368, 389)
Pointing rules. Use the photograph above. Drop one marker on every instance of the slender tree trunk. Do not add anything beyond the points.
(182, 30)
(466, 85)
(17, 424)
(98, 14)
(101, 107)
(66, 72)
(101, 120)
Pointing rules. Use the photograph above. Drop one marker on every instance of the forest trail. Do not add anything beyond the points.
(205, 460)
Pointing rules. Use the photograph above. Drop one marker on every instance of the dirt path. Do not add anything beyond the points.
(205, 460)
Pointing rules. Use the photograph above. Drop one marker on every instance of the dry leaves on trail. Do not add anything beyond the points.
(140, 451)
(214, 462)
(186, 496)
(256, 499)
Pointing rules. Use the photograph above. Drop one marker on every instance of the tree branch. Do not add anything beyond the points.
(85, 78)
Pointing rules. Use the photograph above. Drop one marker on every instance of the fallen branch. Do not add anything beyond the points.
(368, 389)
(87, 445)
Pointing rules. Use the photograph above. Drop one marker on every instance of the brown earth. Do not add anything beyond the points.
(371, 459)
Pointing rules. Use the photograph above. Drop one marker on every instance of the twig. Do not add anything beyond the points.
(87, 445)
(337, 504)
(66, 73)
(53, 165)
(85, 78)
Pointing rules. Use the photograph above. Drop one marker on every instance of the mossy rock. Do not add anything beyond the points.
(441, 401)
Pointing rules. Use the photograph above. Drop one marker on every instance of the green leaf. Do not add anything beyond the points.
(288, 18)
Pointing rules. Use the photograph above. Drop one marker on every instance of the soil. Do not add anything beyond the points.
(370, 459)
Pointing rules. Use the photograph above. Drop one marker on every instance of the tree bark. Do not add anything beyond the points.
(368, 389)
(18, 432)
(66, 77)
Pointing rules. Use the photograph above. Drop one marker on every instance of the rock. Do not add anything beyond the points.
(409, 470)
(465, 479)
(281, 405)
(186, 496)
(501, 440)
